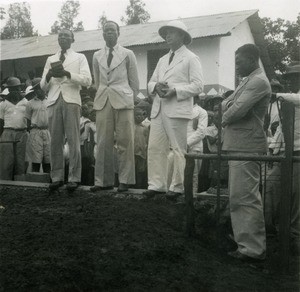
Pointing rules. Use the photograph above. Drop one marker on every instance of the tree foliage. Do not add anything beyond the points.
(2, 13)
(102, 20)
(283, 38)
(19, 23)
(136, 13)
(66, 17)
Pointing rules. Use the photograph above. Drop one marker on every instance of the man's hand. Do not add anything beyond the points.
(61, 73)
(169, 93)
(160, 88)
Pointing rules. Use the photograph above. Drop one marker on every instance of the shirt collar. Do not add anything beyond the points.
(68, 51)
(255, 72)
(178, 50)
(115, 48)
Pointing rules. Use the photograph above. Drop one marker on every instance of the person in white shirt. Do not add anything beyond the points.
(195, 135)
(64, 75)
(13, 131)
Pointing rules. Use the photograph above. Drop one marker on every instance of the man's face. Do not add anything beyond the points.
(243, 65)
(174, 37)
(110, 34)
(293, 82)
(65, 39)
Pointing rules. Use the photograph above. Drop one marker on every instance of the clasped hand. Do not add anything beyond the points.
(163, 90)
(57, 73)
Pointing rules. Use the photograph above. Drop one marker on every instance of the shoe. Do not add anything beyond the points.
(122, 187)
(55, 185)
(72, 186)
(244, 258)
(152, 193)
(173, 195)
(99, 188)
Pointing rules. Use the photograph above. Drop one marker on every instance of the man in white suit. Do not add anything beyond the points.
(64, 74)
(176, 79)
(117, 84)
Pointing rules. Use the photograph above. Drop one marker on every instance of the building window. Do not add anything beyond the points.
(152, 58)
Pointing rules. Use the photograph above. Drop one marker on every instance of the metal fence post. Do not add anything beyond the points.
(288, 115)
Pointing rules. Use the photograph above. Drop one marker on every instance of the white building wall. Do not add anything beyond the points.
(240, 36)
(207, 50)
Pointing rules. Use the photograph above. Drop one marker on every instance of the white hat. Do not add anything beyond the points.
(178, 25)
(28, 90)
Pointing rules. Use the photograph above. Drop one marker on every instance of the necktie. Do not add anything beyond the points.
(62, 56)
(171, 57)
(110, 56)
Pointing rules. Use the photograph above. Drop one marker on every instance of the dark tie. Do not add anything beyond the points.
(110, 56)
(62, 56)
(171, 57)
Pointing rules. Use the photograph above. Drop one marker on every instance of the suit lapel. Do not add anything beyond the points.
(117, 59)
(240, 87)
(69, 59)
(102, 59)
(178, 58)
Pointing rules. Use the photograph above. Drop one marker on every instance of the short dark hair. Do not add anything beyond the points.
(249, 50)
(111, 21)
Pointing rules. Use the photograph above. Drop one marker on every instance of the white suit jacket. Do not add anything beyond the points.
(119, 83)
(77, 65)
(185, 75)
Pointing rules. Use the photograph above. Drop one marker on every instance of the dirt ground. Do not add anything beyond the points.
(99, 242)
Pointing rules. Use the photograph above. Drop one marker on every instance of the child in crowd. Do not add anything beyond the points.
(141, 136)
(13, 131)
(87, 142)
(38, 144)
(195, 135)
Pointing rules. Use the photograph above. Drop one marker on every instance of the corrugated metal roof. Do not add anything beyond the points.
(131, 35)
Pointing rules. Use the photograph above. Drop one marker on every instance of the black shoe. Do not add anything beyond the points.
(99, 188)
(173, 195)
(244, 258)
(55, 185)
(152, 193)
(122, 187)
(72, 186)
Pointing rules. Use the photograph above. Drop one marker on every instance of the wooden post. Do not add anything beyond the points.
(189, 200)
(288, 115)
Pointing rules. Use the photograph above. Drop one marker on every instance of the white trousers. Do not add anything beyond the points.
(246, 208)
(119, 125)
(166, 150)
(64, 123)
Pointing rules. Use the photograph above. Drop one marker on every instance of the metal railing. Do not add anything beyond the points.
(286, 161)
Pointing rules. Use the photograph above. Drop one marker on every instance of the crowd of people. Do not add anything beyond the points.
(103, 135)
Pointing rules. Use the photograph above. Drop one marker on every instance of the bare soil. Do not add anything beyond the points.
(100, 242)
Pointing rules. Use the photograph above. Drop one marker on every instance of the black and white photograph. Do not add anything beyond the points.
(150, 145)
